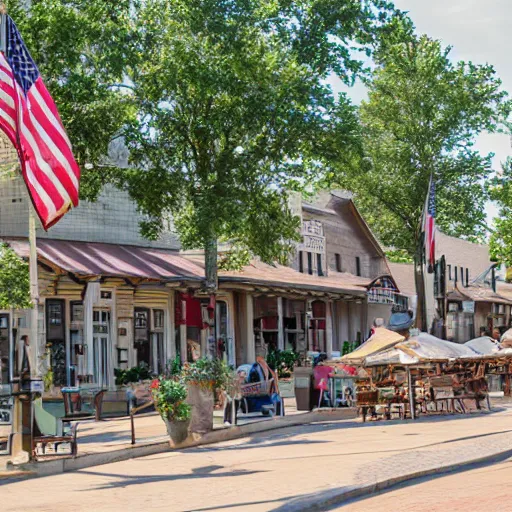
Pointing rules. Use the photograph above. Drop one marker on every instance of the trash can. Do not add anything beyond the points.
(303, 378)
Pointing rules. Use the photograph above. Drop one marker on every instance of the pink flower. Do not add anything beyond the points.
(155, 384)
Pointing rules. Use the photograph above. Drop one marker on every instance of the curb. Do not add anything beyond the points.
(64, 465)
(343, 495)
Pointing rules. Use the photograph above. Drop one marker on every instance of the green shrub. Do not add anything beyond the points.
(169, 396)
(134, 374)
(283, 362)
(208, 373)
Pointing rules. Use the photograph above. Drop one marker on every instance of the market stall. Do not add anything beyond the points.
(421, 375)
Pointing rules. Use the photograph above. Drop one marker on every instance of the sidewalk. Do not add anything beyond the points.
(291, 469)
(109, 440)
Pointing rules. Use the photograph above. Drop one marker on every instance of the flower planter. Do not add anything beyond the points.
(177, 430)
(286, 388)
(201, 400)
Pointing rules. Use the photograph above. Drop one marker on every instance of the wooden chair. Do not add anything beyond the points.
(76, 412)
(48, 430)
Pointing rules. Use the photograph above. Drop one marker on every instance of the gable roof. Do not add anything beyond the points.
(462, 253)
(336, 202)
(403, 273)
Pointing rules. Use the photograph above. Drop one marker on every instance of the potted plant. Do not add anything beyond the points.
(170, 397)
(283, 362)
(203, 377)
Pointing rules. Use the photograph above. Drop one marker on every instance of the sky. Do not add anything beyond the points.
(478, 30)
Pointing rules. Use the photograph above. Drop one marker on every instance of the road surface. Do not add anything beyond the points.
(484, 489)
(269, 471)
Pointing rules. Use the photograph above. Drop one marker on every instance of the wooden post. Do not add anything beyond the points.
(251, 345)
(411, 393)
(280, 324)
(328, 328)
(169, 331)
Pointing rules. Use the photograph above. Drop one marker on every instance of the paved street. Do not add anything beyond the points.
(483, 489)
(267, 471)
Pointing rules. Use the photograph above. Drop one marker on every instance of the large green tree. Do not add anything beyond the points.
(83, 49)
(233, 109)
(421, 118)
(500, 190)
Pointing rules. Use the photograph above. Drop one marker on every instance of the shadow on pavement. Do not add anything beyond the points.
(197, 473)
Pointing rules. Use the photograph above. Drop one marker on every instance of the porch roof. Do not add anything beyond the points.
(99, 259)
(477, 294)
(278, 275)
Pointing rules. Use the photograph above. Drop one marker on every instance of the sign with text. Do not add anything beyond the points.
(313, 237)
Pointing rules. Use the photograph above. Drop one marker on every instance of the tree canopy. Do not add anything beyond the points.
(233, 109)
(500, 190)
(83, 49)
(421, 118)
(14, 280)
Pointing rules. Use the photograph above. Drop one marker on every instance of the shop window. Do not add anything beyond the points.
(55, 313)
(358, 266)
(77, 311)
(310, 263)
(338, 262)
(158, 318)
(319, 264)
(317, 326)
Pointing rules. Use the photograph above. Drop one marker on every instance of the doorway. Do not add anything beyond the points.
(100, 345)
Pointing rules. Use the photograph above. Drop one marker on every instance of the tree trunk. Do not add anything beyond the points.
(210, 264)
(421, 313)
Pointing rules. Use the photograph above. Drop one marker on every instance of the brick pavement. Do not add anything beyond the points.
(484, 489)
(284, 470)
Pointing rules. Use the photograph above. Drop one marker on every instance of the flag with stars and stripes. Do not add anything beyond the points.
(429, 227)
(30, 119)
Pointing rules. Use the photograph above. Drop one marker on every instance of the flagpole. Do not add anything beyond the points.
(34, 293)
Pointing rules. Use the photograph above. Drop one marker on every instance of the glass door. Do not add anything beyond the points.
(101, 343)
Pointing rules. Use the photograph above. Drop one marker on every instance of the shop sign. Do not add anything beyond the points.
(381, 296)
(312, 227)
(314, 244)
(468, 306)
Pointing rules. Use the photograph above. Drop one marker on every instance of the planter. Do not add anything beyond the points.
(177, 430)
(201, 400)
(286, 387)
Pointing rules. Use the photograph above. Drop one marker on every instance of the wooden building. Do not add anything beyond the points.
(108, 305)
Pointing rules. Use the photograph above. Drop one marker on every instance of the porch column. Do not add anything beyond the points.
(328, 327)
(169, 331)
(67, 335)
(183, 332)
(112, 354)
(280, 324)
(251, 346)
(89, 300)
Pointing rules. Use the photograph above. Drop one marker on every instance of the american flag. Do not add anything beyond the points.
(30, 119)
(429, 226)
